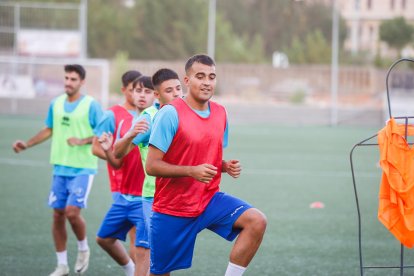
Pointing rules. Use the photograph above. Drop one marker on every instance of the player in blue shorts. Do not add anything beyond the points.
(126, 211)
(70, 123)
(167, 87)
(185, 155)
(110, 123)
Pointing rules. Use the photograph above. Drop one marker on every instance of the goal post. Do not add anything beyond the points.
(27, 84)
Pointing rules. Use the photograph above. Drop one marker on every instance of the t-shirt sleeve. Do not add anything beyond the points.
(142, 137)
(106, 124)
(49, 118)
(95, 114)
(226, 135)
(164, 128)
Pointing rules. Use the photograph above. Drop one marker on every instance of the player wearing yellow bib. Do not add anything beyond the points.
(70, 122)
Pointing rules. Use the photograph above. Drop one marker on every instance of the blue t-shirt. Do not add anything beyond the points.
(95, 114)
(166, 124)
(107, 122)
(144, 137)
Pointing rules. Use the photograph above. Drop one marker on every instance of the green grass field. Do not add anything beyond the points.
(284, 170)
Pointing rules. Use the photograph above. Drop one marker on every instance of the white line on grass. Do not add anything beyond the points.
(23, 162)
(288, 172)
(315, 173)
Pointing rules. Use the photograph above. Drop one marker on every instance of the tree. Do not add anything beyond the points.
(396, 32)
(313, 49)
(280, 22)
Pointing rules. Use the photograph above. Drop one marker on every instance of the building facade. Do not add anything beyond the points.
(363, 19)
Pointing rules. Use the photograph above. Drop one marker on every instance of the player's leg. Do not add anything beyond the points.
(136, 216)
(114, 228)
(59, 229)
(132, 249)
(147, 211)
(57, 201)
(79, 188)
(231, 217)
(115, 249)
(253, 225)
(143, 261)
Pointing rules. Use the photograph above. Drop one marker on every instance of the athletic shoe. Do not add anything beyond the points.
(82, 262)
(61, 270)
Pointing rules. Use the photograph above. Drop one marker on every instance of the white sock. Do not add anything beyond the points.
(62, 257)
(129, 268)
(235, 270)
(83, 245)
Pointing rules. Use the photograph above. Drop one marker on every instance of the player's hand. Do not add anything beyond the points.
(73, 141)
(139, 127)
(233, 168)
(19, 146)
(106, 140)
(204, 172)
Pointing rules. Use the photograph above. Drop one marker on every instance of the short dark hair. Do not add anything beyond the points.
(130, 76)
(162, 75)
(76, 68)
(200, 58)
(144, 81)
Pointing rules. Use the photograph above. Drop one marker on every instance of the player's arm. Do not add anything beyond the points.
(124, 145)
(231, 167)
(155, 166)
(40, 137)
(106, 124)
(97, 149)
(105, 142)
(74, 141)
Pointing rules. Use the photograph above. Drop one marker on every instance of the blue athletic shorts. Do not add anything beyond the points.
(70, 191)
(147, 208)
(115, 195)
(120, 218)
(173, 238)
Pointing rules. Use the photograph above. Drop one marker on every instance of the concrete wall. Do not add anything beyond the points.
(260, 93)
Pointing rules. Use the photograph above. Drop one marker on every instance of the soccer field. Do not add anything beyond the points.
(285, 169)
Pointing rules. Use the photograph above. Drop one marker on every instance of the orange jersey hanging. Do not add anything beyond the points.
(396, 196)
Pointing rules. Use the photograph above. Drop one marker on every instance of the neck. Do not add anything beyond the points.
(196, 104)
(73, 97)
(129, 106)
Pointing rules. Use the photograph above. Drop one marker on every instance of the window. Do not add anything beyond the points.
(369, 4)
(403, 3)
(392, 4)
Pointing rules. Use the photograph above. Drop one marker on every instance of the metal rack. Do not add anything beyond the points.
(366, 142)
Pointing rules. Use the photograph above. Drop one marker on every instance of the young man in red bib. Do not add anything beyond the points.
(185, 154)
(126, 210)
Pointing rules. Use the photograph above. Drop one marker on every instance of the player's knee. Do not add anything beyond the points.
(58, 215)
(72, 216)
(257, 223)
(101, 241)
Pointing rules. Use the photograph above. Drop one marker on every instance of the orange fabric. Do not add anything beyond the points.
(396, 196)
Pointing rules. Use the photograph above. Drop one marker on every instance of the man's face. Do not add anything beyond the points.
(144, 97)
(168, 91)
(128, 92)
(201, 81)
(73, 83)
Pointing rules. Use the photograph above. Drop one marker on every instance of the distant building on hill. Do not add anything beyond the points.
(363, 19)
